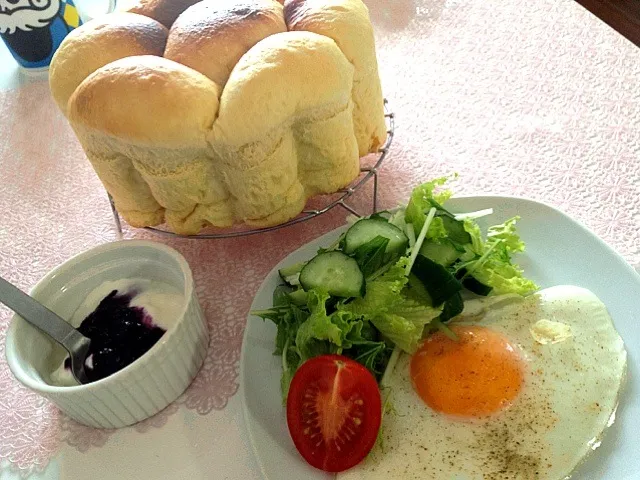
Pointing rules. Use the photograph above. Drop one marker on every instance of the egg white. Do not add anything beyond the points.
(574, 370)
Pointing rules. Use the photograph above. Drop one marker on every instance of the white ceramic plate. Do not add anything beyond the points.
(559, 251)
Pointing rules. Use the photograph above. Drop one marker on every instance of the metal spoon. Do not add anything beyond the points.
(48, 322)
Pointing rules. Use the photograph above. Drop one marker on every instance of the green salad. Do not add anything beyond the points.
(389, 280)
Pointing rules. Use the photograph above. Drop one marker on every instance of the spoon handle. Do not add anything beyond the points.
(40, 316)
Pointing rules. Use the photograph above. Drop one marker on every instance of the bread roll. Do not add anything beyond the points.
(237, 120)
(347, 22)
(148, 116)
(211, 36)
(164, 11)
(286, 110)
(97, 43)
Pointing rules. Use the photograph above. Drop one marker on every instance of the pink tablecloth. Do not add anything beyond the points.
(537, 99)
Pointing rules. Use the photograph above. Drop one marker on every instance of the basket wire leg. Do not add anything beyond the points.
(374, 199)
(349, 208)
(116, 217)
(375, 191)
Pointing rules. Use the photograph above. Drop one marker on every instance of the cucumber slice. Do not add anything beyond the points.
(290, 275)
(438, 282)
(443, 253)
(367, 229)
(336, 273)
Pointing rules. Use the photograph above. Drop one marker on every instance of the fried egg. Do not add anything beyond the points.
(526, 392)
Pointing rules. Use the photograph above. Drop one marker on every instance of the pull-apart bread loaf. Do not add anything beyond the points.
(222, 111)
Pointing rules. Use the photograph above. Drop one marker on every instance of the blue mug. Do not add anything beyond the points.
(34, 29)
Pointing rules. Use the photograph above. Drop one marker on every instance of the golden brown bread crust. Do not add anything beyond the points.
(211, 36)
(164, 11)
(147, 100)
(347, 22)
(99, 42)
(283, 77)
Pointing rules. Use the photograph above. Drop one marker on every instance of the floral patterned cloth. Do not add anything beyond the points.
(536, 99)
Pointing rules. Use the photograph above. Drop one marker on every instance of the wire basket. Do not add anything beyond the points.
(327, 202)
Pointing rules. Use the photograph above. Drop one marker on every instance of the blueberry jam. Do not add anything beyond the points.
(119, 334)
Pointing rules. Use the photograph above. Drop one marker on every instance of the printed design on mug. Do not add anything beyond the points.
(27, 14)
(33, 29)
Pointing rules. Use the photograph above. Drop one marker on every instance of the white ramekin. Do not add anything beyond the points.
(150, 383)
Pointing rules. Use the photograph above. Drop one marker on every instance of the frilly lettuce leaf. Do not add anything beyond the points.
(405, 324)
(504, 278)
(422, 198)
(436, 229)
(477, 244)
(382, 293)
(490, 262)
(316, 328)
(505, 233)
(400, 319)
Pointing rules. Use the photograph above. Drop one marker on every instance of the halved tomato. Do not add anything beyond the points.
(333, 412)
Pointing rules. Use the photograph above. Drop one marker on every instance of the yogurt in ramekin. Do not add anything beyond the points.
(156, 378)
(123, 319)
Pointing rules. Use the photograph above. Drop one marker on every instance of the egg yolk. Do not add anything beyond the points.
(475, 376)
